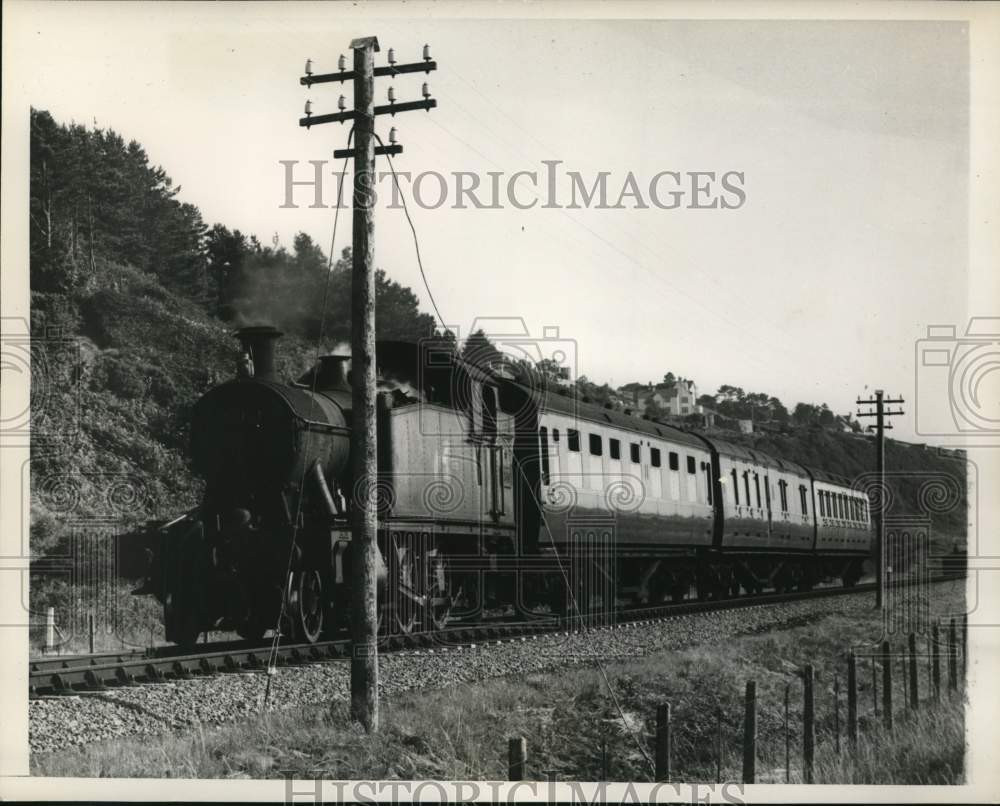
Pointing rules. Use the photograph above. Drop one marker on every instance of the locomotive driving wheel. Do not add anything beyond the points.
(306, 599)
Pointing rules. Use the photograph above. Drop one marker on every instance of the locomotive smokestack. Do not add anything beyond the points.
(259, 341)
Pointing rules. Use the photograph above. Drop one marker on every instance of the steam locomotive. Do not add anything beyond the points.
(492, 492)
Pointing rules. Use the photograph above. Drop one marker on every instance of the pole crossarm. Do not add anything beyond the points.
(380, 151)
(409, 106)
(335, 117)
(380, 72)
(385, 109)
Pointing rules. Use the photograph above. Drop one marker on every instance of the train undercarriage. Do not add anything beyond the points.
(236, 580)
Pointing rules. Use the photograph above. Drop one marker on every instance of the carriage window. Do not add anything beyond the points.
(691, 465)
(573, 439)
(736, 488)
(615, 448)
(555, 434)
(783, 494)
(840, 506)
(746, 486)
(822, 503)
(672, 458)
(708, 480)
(634, 452)
(490, 412)
(803, 499)
(756, 486)
(543, 433)
(654, 457)
(596, 445)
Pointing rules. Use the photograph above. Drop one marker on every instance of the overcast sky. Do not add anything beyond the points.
(852, 138)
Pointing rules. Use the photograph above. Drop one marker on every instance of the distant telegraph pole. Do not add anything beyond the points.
(364, 506)
(880, 413)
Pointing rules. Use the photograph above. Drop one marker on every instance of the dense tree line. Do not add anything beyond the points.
(95, 195)
(96, 198)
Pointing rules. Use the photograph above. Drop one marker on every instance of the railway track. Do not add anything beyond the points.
(74, 674)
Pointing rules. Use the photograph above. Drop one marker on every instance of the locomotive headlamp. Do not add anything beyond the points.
(341, 103)
(427, 53)
(309, 108)
(392, 136)
(341, 62)
(309, 67)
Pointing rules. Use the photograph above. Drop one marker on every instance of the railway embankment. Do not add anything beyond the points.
(447, 714)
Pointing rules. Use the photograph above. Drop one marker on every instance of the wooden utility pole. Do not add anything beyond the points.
(364, 503)
(878, 515)
(364, 526)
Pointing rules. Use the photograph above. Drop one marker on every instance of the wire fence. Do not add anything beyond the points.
(904, 677)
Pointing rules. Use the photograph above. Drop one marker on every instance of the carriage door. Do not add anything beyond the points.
(767, 501)
(493, 454)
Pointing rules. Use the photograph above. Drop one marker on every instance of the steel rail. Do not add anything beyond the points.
(75, 674)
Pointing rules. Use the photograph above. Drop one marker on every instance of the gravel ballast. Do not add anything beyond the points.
(57, 722)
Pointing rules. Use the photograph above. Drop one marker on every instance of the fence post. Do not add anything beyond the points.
(965, 647)
(886, 686)
(808, 726)
(718, 745)
(852, 701)
(663, 743)
(914, 691)
(952, 657)
(788, 746)
(517, 755)
(906, 686)
(936, 660)
(90, 632)
(750, 734)
(50, 629)
(875, 686)
(836, 713)
(604, 754)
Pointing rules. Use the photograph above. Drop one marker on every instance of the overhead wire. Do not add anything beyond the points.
(416, 242)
